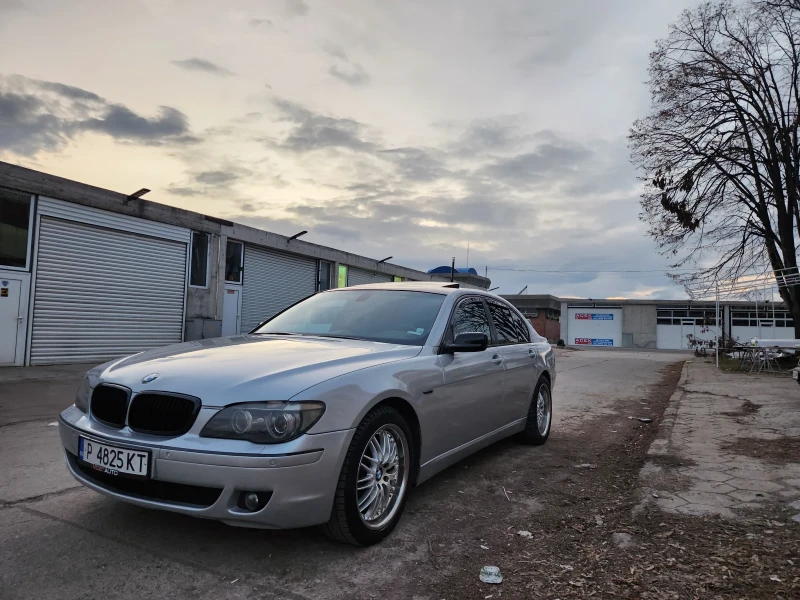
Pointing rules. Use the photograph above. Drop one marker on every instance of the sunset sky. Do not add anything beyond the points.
(406, 128)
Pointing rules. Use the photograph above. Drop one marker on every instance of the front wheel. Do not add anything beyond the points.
(375, 477)
(540, 415)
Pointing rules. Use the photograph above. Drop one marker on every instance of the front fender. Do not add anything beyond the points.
(350, 397)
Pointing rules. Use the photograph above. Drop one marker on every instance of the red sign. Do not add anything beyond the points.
(585, 341)
(584, 316)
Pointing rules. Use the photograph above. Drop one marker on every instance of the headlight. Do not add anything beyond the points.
(264, 422)
(82, 396)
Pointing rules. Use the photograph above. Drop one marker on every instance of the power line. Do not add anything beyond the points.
(685, 270)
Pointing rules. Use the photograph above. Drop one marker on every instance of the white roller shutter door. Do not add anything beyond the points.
(101, 293)
(360, 277)
(595, 326)
(273, 281)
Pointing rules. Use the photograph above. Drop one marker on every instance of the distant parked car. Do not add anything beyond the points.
(324, 415)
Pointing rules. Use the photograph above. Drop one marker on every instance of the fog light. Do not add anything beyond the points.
(251, 500)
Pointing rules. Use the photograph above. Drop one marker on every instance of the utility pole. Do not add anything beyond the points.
(453, 270)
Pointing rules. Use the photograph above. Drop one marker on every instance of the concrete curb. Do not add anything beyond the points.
(660, 445)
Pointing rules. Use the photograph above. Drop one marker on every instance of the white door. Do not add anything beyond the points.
(10, 319)
(231, 311)
(687, 328)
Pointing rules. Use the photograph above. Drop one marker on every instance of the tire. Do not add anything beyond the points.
(534, 434)
(347, 523)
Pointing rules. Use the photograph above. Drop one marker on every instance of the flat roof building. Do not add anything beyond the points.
(88, 274)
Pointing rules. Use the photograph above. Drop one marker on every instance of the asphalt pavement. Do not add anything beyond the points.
(62, 541)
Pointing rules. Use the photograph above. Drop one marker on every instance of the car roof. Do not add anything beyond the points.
(436, 287)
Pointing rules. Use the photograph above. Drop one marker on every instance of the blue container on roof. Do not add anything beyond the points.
(446, 271)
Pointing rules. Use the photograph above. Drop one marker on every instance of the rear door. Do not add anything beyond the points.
(473, 383)
(520, 358)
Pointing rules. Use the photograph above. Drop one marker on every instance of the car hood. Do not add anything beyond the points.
(245, 368)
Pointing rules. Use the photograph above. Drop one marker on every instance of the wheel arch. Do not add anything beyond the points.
(407, 411)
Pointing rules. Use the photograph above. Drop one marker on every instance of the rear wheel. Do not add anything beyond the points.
(375, 477)
(540, 415)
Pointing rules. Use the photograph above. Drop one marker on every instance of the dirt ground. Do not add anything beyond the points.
(577, 501)
(588, 540)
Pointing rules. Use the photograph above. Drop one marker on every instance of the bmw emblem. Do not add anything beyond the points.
(149, 378)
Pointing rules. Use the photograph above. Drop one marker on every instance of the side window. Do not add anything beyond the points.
(511, 329)
(523, 333)
(470, 317)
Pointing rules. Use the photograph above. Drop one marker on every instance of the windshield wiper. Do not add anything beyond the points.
(338, 337)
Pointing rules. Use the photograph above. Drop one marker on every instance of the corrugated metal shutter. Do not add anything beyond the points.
(360, 277)
(101, 293)
(272, 281)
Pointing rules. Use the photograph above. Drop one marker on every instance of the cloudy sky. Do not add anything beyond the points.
(407, 128)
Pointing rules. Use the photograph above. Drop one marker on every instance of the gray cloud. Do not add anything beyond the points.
(417, 164)
(184, 191)
(261, 22)
(312, 131)
(216, 177)
(335, 51)
(344, 69)
(202, 65)
(296, 8)
(44, 116)
(538, 166)
(352, 74)
(122, 123)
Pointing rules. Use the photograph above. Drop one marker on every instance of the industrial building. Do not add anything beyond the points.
(654, 324)
(88, 274)
(668, 324)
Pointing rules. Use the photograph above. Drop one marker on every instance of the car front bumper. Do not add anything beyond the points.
(300, 484)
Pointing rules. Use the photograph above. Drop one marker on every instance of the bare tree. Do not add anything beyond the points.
(719, 150)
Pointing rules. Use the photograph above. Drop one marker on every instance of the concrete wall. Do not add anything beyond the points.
(639, 326)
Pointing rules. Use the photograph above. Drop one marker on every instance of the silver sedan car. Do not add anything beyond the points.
(325, 414)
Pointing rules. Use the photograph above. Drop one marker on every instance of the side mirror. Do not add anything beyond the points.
(467, 342)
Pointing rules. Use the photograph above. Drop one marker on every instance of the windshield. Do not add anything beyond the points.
(393, 317)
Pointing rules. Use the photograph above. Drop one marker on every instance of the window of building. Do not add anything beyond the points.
(233, 262)
(198, 265)
(15, 227)
(342, 276)
(763, 317)
(325, 276)
(509, 326)
(469, 317)
(680, 316)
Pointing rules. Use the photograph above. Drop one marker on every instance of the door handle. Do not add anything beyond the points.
(497, 359)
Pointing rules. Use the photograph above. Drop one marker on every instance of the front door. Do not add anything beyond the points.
(231, 311)
(473, 384)
(10, 319)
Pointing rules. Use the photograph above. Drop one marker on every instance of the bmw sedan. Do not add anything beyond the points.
(326, 414)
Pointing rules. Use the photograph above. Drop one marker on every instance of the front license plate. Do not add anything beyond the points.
(114, 460)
